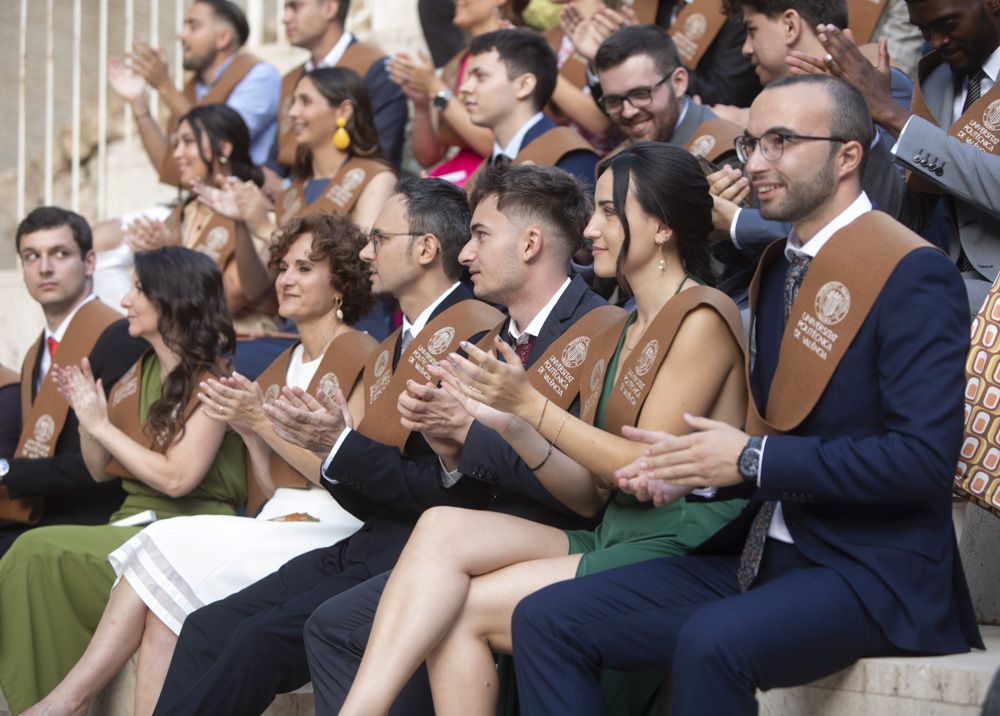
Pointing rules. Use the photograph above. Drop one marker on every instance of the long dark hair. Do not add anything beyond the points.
(194, 321)
(337, 84)
(670, 186)
(221, 123)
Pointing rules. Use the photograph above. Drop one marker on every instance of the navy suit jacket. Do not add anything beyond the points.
(581, 163)
(865, 481)
(389, 110)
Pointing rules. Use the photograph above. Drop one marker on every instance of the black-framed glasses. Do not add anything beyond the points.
(637, 97)
(772, 144)
(377, 237)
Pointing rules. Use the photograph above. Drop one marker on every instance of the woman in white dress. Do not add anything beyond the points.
(175, 566)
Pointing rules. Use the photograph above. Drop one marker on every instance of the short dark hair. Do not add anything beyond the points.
(343, 7)
(52, 217)
(337, 241)
(651, 40)
(219, 122)
(438, 207)
(850, 118)
(523, 52)
(232, 14)
(812, 12)
(549, 195)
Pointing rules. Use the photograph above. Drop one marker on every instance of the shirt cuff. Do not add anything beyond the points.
(760, 462)
(333, 453)
(732, 228)
(448, 477)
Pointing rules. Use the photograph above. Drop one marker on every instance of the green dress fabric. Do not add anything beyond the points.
(632, 531)
(55, 581)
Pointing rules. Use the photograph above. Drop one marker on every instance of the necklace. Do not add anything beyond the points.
(630, 348)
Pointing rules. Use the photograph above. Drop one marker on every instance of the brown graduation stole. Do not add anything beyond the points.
(645, 11)
(556, 374)
(123, 412)
(219, 92)
(841, 286)
(43, 419)
(544, 150)
(863, 18)
(977, 476)
(339, 197)
(978, 126)
(340, 367)
(714, 139)
(695, 28)
(637, 372)
(439, 337)
(216, 239)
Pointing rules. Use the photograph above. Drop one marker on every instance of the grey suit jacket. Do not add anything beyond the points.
(969, 175)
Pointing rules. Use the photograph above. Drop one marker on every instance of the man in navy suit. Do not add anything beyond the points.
(852, 505)
(510, 78)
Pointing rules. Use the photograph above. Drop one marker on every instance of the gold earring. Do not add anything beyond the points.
(663, 260)
(341, 139)
(223, 159)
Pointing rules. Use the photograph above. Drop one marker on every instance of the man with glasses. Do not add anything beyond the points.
(847, 548)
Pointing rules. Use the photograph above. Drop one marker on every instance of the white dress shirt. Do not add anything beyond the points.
(514, 145)
(991, 67)
(334, 55)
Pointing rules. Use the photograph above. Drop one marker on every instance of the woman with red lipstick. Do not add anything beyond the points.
(174, 566)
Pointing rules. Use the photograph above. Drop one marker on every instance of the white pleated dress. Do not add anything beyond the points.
(181, 564)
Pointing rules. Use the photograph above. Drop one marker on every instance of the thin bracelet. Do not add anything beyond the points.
(544, 460)
(559, 431)
(541, 417)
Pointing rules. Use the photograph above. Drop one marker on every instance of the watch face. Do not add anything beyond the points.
(749, 461)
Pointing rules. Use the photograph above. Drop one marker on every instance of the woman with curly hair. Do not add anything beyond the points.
(175, 566)
(54, 581)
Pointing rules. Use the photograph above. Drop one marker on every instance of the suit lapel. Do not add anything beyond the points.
(559, 319)
(940, 94)
(540, 127)
(693, 118)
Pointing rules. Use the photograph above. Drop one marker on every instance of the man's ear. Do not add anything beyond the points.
(428, 248)
(533, 239)
(525, 85)
(792, 27)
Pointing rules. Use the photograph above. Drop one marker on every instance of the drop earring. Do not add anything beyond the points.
(340, 312)
(341, 139)
(663, 260)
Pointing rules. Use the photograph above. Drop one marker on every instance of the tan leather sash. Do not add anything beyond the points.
(556, 374)
(43, 420)
(439, 337)
(977, 475)
(219, 92)
(695, 29)
(714, 139)
(645, 11)
(340, 195)
(545, 150)
(216, 239)
(638, 371)
(8, 377)
(123, 412)
(841, 286)
(341, 367)
(863, 17)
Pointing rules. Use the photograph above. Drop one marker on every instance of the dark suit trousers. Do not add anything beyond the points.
(234, 655)
(801, 621)
(336, 636)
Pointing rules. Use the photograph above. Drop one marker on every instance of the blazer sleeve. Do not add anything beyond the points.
(754, 233)
(581, 164)
(724, 75)
(921, 376)
(389, 110)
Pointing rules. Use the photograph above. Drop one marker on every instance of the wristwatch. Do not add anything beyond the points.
(442, 98)
(4, 469)
(748, 462)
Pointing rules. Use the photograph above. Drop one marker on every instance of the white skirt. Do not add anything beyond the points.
(181, 564)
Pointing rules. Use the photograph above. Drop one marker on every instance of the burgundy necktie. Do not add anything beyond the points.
(523, 349)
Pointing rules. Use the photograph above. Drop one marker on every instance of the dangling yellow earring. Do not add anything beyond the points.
(341, 139)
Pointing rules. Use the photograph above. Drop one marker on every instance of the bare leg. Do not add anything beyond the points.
(462, 670)
(155, 651)
(428, 588)
(116, 639)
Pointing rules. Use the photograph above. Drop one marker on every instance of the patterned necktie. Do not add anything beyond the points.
(53, 345)
(523, 349)
(499, 160)
(753, 548)
(974, 84)
(404, 340)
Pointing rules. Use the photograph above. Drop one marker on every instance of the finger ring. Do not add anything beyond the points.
(828, 59)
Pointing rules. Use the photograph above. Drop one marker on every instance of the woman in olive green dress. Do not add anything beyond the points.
(450, 598)
(55, 581)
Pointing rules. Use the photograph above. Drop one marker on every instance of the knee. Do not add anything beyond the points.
(706, 641)
(439, 525)
(537, 618)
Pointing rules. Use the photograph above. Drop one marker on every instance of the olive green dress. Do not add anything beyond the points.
(632, 531)
(55, 581)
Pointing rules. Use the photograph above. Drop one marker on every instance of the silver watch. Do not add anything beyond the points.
(4, 469)
(442, 98)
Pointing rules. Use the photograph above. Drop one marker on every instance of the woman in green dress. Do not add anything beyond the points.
(55, 581)
(450, 598)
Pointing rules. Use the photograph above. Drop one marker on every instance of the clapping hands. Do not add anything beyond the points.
(85, 395)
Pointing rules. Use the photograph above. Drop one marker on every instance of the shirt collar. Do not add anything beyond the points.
(686, 104)
(992, 66)
(534, 327)
(794, 247)
(334, 55)
(64, 326)
(514, 146)
(203, 88)
(425, 315)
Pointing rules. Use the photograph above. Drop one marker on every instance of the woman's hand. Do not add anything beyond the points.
(85, 395)
(151, 63)
(128, 85)
(145, 234)
(415, 75)
(504, 386)
(234, 399)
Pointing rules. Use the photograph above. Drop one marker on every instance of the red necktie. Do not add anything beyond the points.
(53, 345)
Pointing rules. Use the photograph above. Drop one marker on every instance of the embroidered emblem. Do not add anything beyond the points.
(290, 201)
(833, 301)
(440, 341)
(126, 387)
(340, 194)
(381, 363)
(576, 352)
(695, 26)
(597, 375)
(272, 393)
(991, 117)
(645, 361)
(45, 428)
(328, 385)
(701, 146)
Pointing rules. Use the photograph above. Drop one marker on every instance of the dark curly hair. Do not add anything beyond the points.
(336, 240)
(221, 123)
(337, 84)
(194, 321)
(670, 186)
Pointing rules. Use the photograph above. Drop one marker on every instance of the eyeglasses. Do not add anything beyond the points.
(772, 144)
(638, 97)
(377, 237)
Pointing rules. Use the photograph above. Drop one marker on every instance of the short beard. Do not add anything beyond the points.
(198, 64)
(804, 197)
